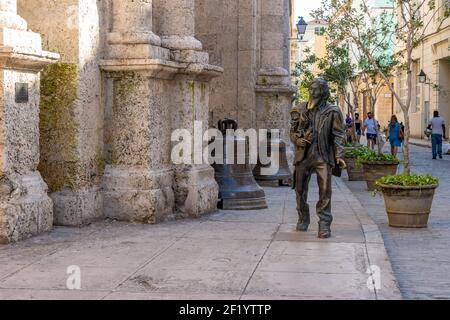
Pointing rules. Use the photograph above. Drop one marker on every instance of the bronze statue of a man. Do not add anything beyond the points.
(317, 130)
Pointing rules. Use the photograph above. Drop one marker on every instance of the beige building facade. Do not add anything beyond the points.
(433, 57)
(315, 41)
(125, 75)
(383, 107)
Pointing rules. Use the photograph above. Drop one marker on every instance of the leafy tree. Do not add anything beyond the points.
(372, 35)
(303, 75)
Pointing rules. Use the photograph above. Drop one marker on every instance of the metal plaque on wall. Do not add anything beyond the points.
(22, 93)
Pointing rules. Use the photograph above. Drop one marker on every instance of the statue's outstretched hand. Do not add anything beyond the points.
(341, 163)
(301, 142)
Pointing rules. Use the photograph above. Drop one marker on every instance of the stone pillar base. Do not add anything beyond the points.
(138, 194)
(77, 208)
(25, 208)
(176, 42)
(196, 191)
(137, 51)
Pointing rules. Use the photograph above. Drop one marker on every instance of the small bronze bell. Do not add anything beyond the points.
(238, 189)
(279, 154)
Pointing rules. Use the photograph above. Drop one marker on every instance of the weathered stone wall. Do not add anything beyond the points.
(57, 22)
(228, 31)
(71, 118)
(132, 72)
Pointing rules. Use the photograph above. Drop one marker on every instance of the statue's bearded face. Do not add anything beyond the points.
(315, 95)
(315, 91)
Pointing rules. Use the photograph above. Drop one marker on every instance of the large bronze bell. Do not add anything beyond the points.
(238, 189)
(279, 154)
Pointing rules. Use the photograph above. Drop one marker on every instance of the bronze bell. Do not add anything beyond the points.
(283, 173)
(238, 189)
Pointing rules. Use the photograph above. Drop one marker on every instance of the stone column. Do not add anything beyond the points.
(132, 35)
(274, 88)
(25, 208)
(176, 26)
(147, 99)
(138, 178)
(274, 84)
(196, 191)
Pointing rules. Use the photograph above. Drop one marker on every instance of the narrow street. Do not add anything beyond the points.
(227, 255)
(420, 257)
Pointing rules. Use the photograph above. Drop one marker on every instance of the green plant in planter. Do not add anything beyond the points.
(403, 180)
(408, 198)
(350, 145)
(355, 153)
(371, 157)
(413, 180)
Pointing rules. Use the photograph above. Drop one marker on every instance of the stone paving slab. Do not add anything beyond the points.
(420, 258)
(228, 255)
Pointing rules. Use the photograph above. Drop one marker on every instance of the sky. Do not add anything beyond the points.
(304, 7)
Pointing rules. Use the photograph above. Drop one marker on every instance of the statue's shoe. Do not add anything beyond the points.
(324, 233)
(302, 226)
(324, 230)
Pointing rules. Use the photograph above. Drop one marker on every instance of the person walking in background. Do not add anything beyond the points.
(437, 126)
(349, 128)
(403, 127)
(370, 126)
(395, 135)
(358, 127)
(348, 120)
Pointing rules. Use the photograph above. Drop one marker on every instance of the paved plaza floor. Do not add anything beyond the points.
(226, 255)
(420, 257)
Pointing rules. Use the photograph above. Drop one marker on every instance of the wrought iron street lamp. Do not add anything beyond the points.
(422, 77)
(301, 28)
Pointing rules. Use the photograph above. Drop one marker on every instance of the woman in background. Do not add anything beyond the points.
(395, 135)
(358, 125)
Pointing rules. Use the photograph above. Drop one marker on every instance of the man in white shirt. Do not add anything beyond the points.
(370, 125)
(437, 126)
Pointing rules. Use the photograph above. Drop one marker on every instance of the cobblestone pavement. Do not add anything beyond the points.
(227, 255)
(420, 257)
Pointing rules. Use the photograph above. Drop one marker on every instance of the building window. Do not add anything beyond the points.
(319, 31)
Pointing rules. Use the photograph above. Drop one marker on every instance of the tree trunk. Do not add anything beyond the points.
(407, 169)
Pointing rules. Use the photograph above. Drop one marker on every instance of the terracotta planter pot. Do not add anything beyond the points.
(408, 207)
(354, 173)
(376, 170)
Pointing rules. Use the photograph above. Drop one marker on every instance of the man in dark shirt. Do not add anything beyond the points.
(324, 155)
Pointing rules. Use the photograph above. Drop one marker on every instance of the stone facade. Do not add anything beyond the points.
(25, 208)
(130, 73)
(383, 107)
(250, 40)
